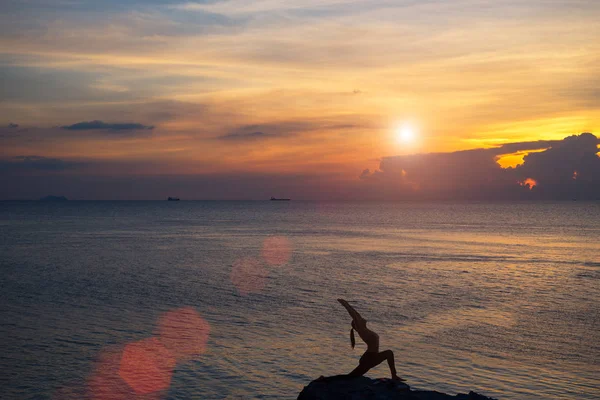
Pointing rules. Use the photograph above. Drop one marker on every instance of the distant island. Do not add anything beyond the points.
(173, 199)
(54, 198)
(275, 199)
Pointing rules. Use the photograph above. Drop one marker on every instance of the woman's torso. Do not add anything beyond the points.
(370, 338)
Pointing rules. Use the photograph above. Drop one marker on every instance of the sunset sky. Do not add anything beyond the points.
(244, 99)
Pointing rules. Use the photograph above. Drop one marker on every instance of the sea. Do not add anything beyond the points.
(237, 299)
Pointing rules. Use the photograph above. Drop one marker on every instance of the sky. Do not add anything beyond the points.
(312, 99)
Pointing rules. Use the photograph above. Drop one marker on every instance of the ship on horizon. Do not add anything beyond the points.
(276, 199)
(173, 199)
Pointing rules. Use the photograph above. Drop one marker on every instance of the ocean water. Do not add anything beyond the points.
(500, 298)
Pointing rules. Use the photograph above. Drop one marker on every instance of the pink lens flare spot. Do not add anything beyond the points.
(147, 366)
(248, 275)
(105, 382)
(184, 333)
(276, 250)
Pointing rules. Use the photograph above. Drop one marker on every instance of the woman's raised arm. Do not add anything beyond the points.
(353, 313)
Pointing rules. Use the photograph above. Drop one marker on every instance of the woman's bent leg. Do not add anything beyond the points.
(389, 355)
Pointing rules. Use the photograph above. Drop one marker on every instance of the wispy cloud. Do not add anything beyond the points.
(37, 163)
(246, 136)
(235, 7)
(99, 125)
(283, 129)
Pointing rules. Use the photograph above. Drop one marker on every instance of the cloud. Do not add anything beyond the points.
(264, 131)
(37, 163)
(366, 174)
(10, 131)
(99, 125)
(246, 136)
(47, 85)
(568, 168)
(286, 128)
(269, 130)
(236, 7)
(569, 165)
(508, 148)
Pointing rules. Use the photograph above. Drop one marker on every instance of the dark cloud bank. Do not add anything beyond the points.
(567, 169)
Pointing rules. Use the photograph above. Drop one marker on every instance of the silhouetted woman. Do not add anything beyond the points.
(372, 356)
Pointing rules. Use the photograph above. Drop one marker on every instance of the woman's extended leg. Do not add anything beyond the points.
(362, 369)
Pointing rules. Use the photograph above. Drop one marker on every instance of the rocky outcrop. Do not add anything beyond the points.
(341, 387)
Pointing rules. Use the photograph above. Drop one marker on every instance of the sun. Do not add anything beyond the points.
(405, 134)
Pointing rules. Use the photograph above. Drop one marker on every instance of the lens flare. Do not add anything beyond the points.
(106, 383)
(276, 250)
(184, 333)
(248, 275)
(147, 366)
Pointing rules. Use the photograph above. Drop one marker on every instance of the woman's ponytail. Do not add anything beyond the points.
(352, 341)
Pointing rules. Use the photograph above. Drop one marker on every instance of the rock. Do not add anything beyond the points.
(341, 387)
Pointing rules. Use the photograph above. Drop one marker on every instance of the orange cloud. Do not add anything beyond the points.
(513, 159)
(529, 183)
